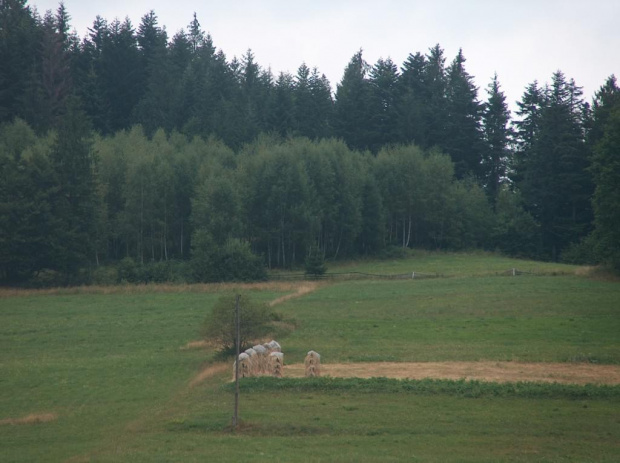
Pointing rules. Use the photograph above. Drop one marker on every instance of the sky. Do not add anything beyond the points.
(521, 41)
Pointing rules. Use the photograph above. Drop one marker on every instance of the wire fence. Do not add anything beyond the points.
(352, 276)
(377, 276)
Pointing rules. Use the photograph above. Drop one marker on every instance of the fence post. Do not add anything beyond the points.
(412, 275)
(514, 272)
(235, 421)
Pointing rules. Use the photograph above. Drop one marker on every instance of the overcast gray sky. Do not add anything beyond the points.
(522, 40)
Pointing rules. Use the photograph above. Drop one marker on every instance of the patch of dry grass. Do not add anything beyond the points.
(597, 273)
(300, 290)
(277, 286)
(567, 373)
(33, 418)
(208, 372)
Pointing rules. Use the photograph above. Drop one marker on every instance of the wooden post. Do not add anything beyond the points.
(235, 421)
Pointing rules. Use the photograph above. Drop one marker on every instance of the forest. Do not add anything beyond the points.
(163, 159)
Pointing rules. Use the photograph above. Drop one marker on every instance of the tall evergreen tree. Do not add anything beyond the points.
(435, 103)
(605, 135)
(527, 127)
(384, 94)
(75, 203)
(321, 108)
(412, 102)
(352, 106)
(302, 102)
(463, 140)
(555, 181)
(282, 106)
(497, 137)
(120, 73)
(20, 38)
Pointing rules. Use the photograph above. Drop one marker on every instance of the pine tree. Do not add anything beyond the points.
(384, 94)
(321, 108)
(606, 173)
(20, 38)
(463, 140)
(412, 103)
(75, 202)
(434, 98)
(282, 107)
(554, 179)
(497, 136)
(120, 73)
(302, 102)
(352, 106)
(527, 127)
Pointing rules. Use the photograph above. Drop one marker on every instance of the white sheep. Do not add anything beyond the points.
(312, 363)
(245, 366)
(276, 364)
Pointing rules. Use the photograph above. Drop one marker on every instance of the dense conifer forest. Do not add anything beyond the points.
(165, 159)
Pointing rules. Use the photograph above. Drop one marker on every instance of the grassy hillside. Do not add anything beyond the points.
(113, 372)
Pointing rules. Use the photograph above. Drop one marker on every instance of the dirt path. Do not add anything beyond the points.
(576, 373)
(301, 289)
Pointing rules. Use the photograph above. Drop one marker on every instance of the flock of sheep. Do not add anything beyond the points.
(268, 360)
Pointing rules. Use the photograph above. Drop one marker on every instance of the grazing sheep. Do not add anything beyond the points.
(261, 357)
(276, 364)
(313, 364)
(245, 366)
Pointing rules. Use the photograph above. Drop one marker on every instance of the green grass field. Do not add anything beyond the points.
(113, 371)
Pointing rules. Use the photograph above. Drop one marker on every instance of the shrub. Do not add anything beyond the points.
(232, 262)
(315, 262)
(105, 276)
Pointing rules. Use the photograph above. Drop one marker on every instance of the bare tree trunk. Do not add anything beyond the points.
(409, 232)
(269, 254)
(182, 238)
(338, 246)
(141, 223)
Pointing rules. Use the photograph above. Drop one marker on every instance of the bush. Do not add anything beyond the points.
(315, 263)
(219, 327)
(105, 276)
(581, 253)
(232, 262)
(128, 271)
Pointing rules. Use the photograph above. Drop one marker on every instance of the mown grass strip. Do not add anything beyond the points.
(461, 388)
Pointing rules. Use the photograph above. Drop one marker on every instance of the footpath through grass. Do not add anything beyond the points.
(112, 370)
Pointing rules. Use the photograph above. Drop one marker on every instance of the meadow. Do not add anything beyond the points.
(111, 374)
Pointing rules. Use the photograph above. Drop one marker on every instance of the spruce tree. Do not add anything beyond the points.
(20, 38)
(74, 205)
(283, 106)
(412, 121)
(497, 137)
(352, 106)
(384, 94)
(321, 107)
(606, 173)
(463, 140)
(435, 111)
(555, 181)
(302, 102)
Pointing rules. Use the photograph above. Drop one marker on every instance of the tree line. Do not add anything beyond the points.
(125, 144)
